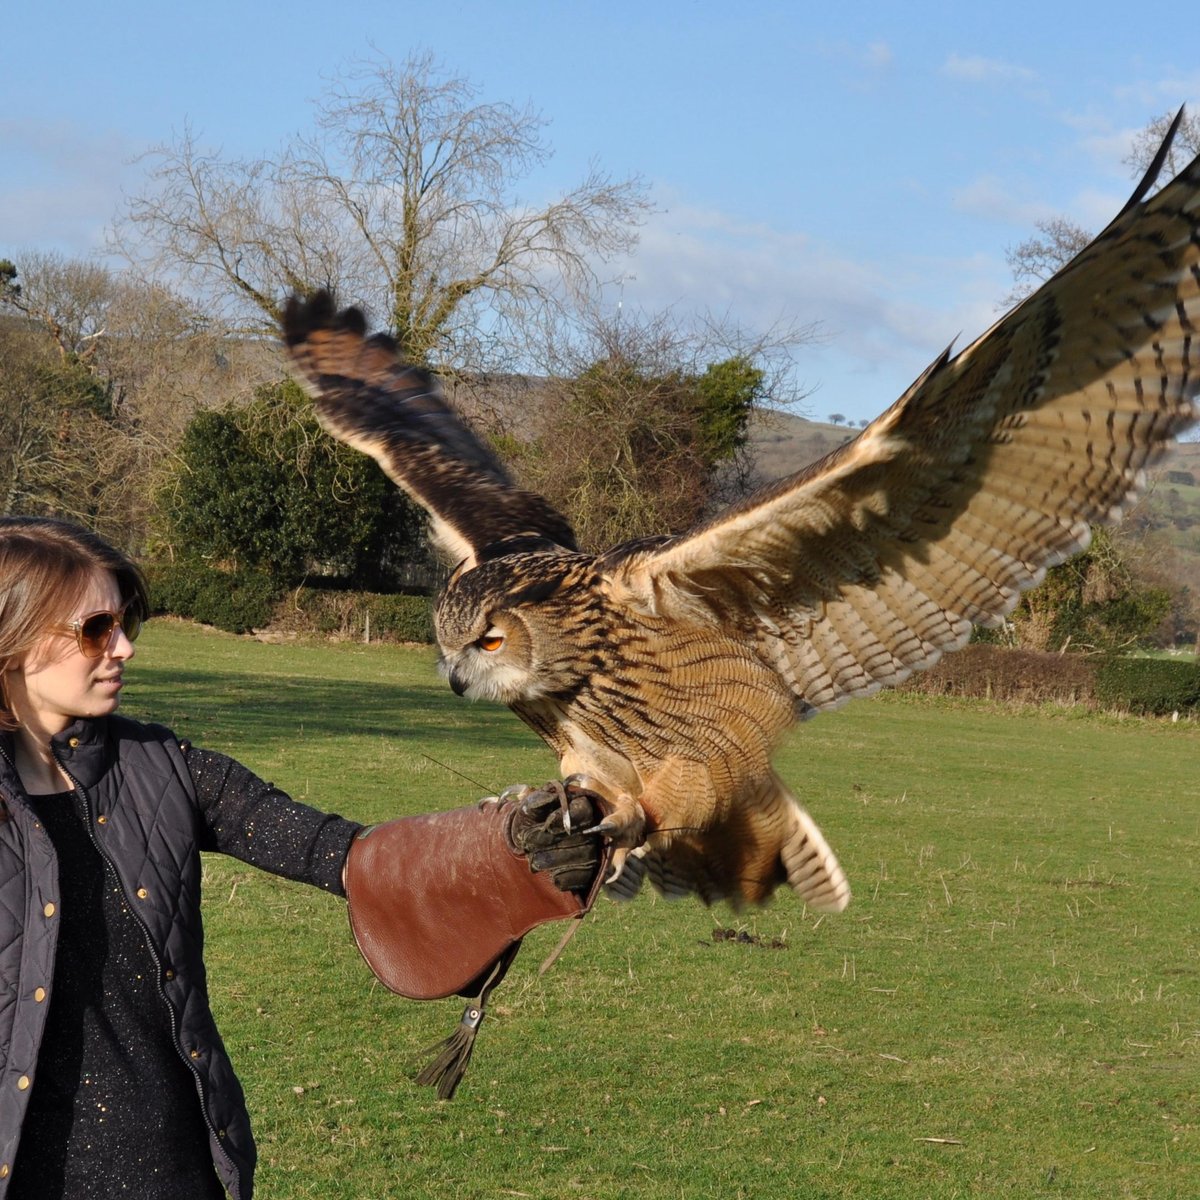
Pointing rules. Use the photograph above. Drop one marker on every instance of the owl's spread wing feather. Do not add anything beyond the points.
(366, 397)
(877, 559)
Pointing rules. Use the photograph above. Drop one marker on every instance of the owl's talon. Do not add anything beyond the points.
(618, 865)
(609, 827)
(584, 782)
(624, 825)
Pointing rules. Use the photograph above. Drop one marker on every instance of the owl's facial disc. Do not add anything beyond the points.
(494, 666)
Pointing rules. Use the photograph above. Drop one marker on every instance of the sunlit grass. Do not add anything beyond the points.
(1010, 1006)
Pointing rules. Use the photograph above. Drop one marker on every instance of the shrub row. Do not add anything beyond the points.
(241, 602)
(247, 601)
(237, 601)
(1155, 686)
(361, 615)
(995, 673)
(1152, 686)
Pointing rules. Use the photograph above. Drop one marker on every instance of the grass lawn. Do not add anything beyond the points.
(1009, 1008)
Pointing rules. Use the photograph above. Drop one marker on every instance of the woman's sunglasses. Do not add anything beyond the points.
(94, 633)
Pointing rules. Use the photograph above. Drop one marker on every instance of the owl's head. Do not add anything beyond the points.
(514, 628)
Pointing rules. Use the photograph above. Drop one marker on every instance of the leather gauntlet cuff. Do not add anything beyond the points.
(435, 900)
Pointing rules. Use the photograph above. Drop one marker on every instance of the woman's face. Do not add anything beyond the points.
(56, 683)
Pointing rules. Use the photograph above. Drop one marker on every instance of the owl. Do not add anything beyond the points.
(667, 670)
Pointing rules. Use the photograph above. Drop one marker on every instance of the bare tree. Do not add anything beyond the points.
(67, 297)
(1036, 259)
(143, 343)
(404, 197)
(59, 453)
(1184, 148)
(639, 423)
(27, 425)
(100, 374)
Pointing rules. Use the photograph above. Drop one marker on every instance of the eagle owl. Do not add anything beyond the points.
(666, 670)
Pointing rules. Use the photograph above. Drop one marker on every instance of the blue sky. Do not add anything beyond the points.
(862, 166)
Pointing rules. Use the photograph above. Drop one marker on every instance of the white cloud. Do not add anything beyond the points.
(878, 55)
(1109, 149)
(869, 60)
(974, 68)
(1163, 93)
(880, 323)
(991, 197)
(1093, 208)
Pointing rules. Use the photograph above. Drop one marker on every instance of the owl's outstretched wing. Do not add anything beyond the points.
(877, 559)
(366, 397)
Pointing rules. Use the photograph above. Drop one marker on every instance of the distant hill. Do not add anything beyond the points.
(781, 443)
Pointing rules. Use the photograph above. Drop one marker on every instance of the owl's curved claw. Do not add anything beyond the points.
(563, 803)
(516, 792)
(610, 827)
(625, 881)
(617, 862)
(624, 825)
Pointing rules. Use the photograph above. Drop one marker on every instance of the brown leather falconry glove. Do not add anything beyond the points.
(439, 903)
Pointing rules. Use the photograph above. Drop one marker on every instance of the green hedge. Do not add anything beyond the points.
(990, 672)
(237, 601)
(1154, 686)
(1148, 685)
(392, 618)
(244, 601)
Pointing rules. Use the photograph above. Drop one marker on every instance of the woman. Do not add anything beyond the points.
(113, 1077)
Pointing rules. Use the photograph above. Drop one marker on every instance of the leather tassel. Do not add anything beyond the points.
(453, 1055)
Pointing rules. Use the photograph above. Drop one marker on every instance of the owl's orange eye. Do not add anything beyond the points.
(491, 642)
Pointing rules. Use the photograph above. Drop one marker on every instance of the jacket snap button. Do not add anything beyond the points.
(49, 910)
(101, 820)
(39, 994)
(142, 893)
(168, 974)
(195, 1053)
(73, 743)
(23, 1083)
(3, 1170)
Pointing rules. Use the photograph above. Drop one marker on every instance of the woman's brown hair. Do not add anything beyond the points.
(46, 566)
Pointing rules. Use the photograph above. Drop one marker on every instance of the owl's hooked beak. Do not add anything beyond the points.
(458, 684)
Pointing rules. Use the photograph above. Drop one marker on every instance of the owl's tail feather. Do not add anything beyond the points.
(812, 868)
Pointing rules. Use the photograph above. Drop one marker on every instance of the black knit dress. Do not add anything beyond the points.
(115, 1110)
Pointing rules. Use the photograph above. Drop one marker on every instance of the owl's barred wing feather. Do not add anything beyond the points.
(991, 468)
(366, 397)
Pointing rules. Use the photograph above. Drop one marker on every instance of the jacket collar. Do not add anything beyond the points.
(82, 748)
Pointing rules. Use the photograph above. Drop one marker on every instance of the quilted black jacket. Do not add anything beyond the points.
(146, 821)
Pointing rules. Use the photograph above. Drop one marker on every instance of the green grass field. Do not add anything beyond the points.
(1009, 1008)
